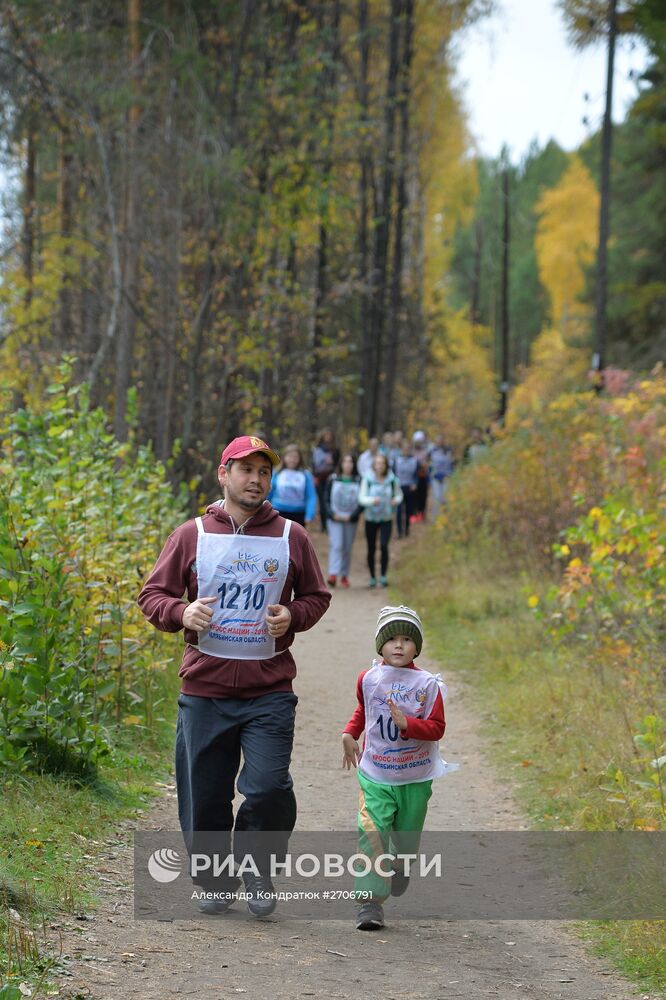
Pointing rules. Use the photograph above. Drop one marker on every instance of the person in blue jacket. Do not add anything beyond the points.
(293, 492)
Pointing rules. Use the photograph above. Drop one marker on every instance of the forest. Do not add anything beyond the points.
(269, 217)
(215, 201)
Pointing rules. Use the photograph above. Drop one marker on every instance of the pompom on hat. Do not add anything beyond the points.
(399, 620)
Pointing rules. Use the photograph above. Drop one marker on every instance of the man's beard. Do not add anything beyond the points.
(247, 503)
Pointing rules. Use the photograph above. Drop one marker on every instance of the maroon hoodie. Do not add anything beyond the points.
(174, 574)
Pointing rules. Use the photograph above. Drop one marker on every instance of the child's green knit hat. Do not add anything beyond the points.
(398, 621)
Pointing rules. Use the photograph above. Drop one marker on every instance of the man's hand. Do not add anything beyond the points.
(197, 615)
(397, 715)
(278, 620)
(350, 751)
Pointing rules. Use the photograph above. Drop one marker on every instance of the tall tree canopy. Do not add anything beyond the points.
(226, 206)
(264, 215)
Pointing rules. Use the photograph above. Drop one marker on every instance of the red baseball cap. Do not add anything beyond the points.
(247, 445)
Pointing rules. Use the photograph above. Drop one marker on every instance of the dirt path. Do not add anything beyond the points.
(110, 956)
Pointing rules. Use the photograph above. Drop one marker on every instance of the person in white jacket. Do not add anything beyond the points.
(380, 494)
(342, 513)
(366, 458)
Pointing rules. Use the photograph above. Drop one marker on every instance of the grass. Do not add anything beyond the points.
(558, 720)
(49, 831)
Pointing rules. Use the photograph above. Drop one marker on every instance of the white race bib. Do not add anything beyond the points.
(388, 756)
(245, 573)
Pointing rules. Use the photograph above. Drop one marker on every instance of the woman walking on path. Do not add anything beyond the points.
(342, 513)
(406, 468)
(420, 450)
(441, 467)
(380, 494)
(293, 491)
(325, 457)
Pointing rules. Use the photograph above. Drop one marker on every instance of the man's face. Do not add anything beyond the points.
(247, 483)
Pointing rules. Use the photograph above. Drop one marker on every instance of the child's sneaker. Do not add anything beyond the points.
(384, 581)
(344, 582)
(370, 917)
(332, 580)
(399, 883)
(373, 582)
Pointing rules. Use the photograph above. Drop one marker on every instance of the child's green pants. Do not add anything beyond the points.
(390, 820)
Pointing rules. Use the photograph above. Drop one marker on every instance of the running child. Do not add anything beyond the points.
(401, 709)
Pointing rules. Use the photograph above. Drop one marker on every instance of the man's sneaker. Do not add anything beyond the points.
(344, 582)
(260, 893)
(213, 907)
(370, 917)
(384, 581)
(373, 582)
(332, 580)
(399, 883)
(222, 896)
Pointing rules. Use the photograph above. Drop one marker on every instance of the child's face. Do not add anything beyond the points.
(399, 651)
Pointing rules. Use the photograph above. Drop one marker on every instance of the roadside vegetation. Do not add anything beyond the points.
(544, 583)
(86, 691)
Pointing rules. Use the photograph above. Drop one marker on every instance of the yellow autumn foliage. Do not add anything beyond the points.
(555, 367)
(461, 392)
(566, 241)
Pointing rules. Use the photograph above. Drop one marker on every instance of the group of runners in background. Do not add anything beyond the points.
(390, 482)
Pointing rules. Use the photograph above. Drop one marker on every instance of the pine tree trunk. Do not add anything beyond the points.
(383, 222)
(171, 229)
(65, 197)
(329, 87)
(599, 360)
(125, 342)
(395, 315)
(363, 241)
(475, 298)
(191, 408)
(29, 212)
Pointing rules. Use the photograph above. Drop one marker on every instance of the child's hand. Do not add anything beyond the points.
(398, 717)
(351, 751)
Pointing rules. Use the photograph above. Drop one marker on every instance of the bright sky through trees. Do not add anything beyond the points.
(523, 80)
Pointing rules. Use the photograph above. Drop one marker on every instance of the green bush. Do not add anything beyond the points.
(81, 519)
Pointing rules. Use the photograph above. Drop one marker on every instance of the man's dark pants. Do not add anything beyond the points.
(210, 736)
